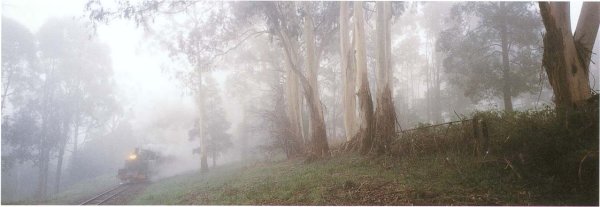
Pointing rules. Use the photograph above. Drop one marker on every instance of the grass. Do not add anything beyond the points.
(350, 180)
(77, 192)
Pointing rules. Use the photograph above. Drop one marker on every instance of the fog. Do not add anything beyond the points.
(81, 93)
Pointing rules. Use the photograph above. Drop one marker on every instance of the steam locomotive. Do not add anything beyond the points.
(140, 166)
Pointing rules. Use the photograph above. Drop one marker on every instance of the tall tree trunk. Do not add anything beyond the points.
(203, 141)
(59, 164)
(44, 145)
(320, 147)
(319, 138)
(303, 125)
(348, 71)
(428, 80)
(294, 104)
(567, 57)
(363, 139)
(388, 43)
(506, 90)
(385, 114)
(44, 159)
(6, 87)
(316, 119)
(62, 146)
(214, 158)
(75, 142)
(334, 109)
(437, 89)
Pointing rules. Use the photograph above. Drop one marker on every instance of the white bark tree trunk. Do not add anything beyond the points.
(203, 141)
(365, 134)
(567, 56)
(348, 71)
(293, 111)
(385, 116)
(319, 141)
(320, 147)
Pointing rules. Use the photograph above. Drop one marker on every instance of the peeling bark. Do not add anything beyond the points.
(363, 139)
(319, 138)
(566, 58)
(293, 105)
(385, 117)
(320, 147)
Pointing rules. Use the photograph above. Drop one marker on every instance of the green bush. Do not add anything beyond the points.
(544, 151)
(540, 148)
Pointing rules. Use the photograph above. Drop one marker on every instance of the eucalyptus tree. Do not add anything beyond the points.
(348, 74)
(407, 63)
(70, 85)
(376, 128)
(77, 85)
(433, 22)
(280, 18)
(18, 60)
(215, 127)
(567, 56)
(324, 25)
(363, 139)
(259, 87)
(19, 76)
(385, 116)
(200, 34)
(191, 42)
(495, 47)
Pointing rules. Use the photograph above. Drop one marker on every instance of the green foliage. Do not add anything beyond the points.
(474, 48)
(18, 62)
(545, 152)
(533, 148)
(215, 124)
(439, 139)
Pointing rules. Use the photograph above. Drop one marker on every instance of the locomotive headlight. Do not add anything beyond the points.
(132, 156)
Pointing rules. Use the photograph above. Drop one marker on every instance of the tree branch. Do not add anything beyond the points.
(254, 34)
(587, 30)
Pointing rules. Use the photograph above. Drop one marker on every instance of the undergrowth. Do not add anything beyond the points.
(545, 153)
(350, 179)
(553, 155)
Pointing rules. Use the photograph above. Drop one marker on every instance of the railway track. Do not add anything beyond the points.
(106, 195)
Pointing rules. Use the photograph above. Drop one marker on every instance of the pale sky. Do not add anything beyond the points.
(139, 80)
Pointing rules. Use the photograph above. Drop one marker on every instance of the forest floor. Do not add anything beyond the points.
(349, 179)
(344, 179)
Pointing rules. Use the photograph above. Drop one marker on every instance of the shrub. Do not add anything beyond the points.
(540, 148)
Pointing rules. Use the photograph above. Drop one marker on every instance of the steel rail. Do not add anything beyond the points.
(89, 201)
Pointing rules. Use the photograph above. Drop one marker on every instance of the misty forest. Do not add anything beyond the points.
(182, 102)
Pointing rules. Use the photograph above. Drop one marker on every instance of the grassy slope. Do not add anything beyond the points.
(76, 193)
(349, 180)
(83, 190)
